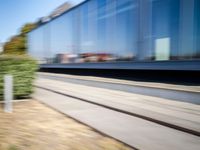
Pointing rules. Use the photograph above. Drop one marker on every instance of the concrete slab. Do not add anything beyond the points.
(181, 114)
(134, 131)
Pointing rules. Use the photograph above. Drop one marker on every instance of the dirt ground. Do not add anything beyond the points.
(34, 126)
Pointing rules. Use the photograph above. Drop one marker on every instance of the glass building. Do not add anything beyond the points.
(120, 31)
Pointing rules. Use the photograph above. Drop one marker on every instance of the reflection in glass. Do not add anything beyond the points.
(120, 30)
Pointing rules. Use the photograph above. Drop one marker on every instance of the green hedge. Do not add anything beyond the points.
(23, 69)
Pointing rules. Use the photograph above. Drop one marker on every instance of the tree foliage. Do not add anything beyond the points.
(17, 44)
(27, 28)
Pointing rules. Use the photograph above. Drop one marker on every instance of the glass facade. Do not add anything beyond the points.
(120, 30)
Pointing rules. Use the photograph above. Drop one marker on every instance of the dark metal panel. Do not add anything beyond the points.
(157, 65)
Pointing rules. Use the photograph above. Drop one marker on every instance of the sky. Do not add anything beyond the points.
(15, 13)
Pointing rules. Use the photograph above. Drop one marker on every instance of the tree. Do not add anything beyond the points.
(27, 28)
(17, 44)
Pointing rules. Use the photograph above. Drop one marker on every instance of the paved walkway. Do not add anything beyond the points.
(187, 88)
(131, 130)
(181, 93)
(185, 115)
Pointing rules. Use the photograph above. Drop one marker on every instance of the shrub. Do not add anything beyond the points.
(13, 147)
(23, 69)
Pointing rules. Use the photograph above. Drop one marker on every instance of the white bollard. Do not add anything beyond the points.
(8, 93)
